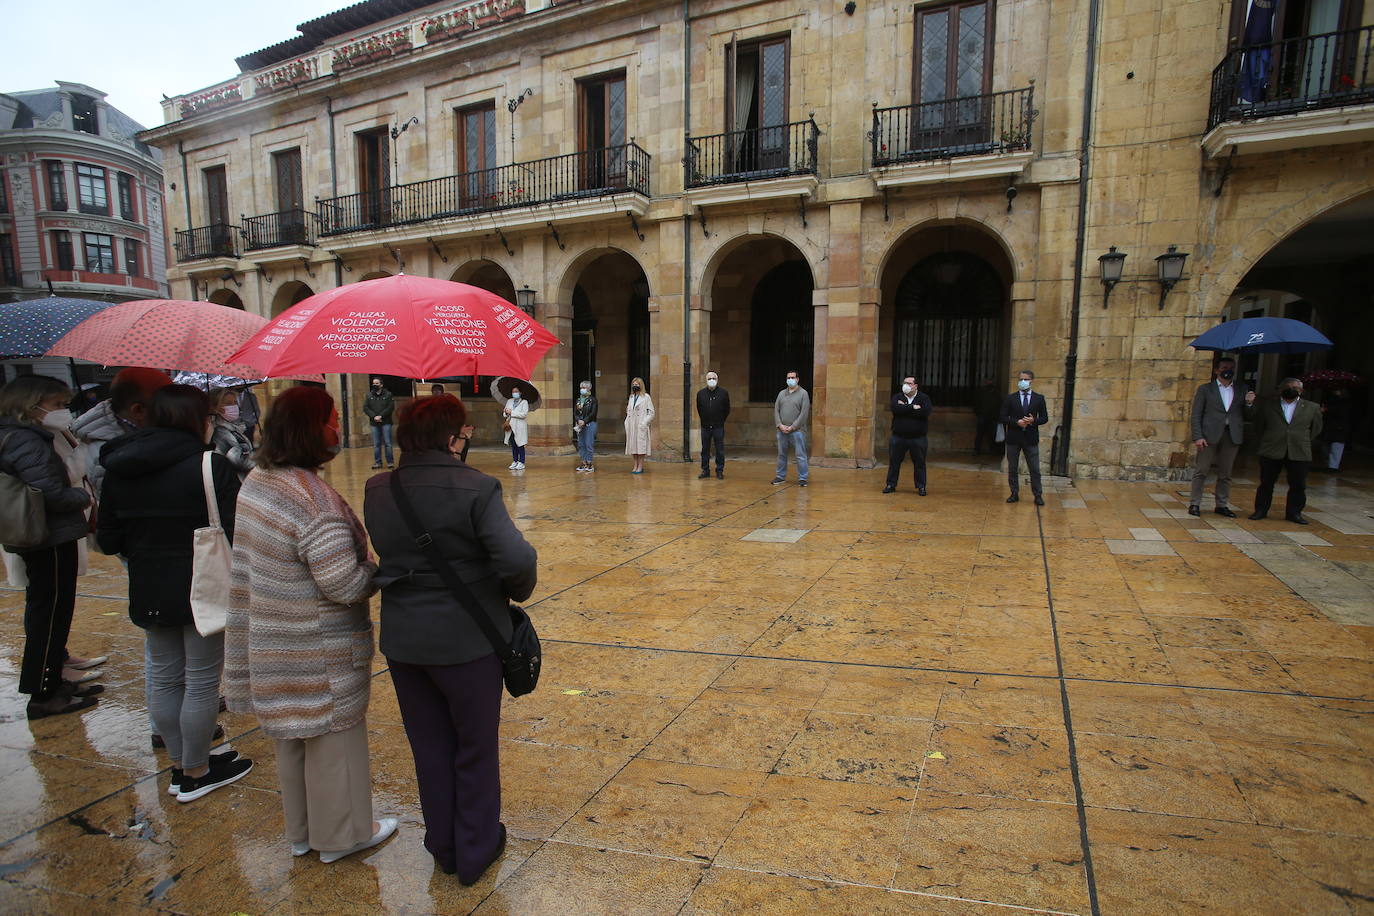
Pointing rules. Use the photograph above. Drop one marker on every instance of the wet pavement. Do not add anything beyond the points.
(771, 699)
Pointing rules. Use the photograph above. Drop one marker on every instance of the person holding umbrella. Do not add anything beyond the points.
(229, 438)
(1217, 421)
(517, 427)
(639, 414)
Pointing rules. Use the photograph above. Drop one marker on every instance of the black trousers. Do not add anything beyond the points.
(1297, 485)
(1032, 453)
(897, 449)
(713, 435)
(48, 606)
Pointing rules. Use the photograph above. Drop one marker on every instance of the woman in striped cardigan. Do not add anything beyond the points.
(298, 643)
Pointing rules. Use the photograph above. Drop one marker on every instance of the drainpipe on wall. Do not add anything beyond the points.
(344, 412)
(186, 195)
(1061, 463)
(686, 239)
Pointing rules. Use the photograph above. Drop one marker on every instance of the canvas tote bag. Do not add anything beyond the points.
(211, 559)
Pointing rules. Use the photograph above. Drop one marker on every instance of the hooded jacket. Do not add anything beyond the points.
(94, 428)
(27, 453)
(152, 502)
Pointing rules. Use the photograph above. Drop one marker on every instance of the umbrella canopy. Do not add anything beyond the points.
(29, 328)
(163, 334)
(207, 381)
(1263, 335)
(415, 327)
(503, 386)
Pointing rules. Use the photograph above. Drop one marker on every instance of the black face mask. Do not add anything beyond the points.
(1290, 394)
(1227, 374)
(635, 389)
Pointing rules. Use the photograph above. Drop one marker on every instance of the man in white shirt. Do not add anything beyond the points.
(1218, 426)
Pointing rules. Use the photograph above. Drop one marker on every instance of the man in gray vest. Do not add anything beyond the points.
(1218, 426)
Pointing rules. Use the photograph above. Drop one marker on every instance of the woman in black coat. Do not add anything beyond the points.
(26, 452)
(153, 500)
(446, 673)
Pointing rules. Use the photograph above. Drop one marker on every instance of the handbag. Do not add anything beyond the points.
(1001, 434)
(520, 657)
(23, 515)
(211, 559)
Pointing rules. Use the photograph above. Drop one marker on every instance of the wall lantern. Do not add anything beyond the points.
(524, 298)
(1109, 265)
(1170, 271)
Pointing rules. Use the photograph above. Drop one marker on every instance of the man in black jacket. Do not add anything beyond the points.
(910, 421)
(380, 405)
(713, 408)
(1023, 413)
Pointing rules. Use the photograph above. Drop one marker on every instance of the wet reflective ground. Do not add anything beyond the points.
(770, 699)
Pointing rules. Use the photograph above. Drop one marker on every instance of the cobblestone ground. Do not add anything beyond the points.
(774, 699)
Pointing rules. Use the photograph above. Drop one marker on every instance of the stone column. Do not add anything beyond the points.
(551, 424)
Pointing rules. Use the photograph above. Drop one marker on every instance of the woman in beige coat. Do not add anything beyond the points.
(639, 414)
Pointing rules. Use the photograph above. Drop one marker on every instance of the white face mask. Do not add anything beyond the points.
(710, 383)
(58, 419)
(791, 383)
(908, 389)
(586, 391)
(230, 412)
(1024, 384)
(515, 395)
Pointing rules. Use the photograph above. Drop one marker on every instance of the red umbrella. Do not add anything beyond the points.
(415, 327)
(163, 334)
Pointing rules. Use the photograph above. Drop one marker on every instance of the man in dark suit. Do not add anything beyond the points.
(1286, 428)
(1023, 413)
(1218, 424)
(713, 409)
(910, 420)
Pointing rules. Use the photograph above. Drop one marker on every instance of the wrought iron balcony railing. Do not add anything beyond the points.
(589, 174)
(974, 125)
(752, 154)
(214, 241)
(1294, 75)
(287, 227)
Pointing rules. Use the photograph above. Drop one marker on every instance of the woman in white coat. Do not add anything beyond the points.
(639, 414)
(517, 428)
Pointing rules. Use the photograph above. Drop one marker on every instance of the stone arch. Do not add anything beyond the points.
(570, 272)
(226, 297)
(372, 275)
(488, 275)
(723, 247)
(902, 236)
(288, 294)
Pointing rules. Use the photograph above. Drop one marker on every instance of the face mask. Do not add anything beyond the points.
(376, 386)
(635, 389)
(908, 389)
(1023, 385)
(515, 395)
(1227, 374)
(791, 383)
(57, 419)
(710, 383)
(586, 391)
(230, 412)
(1290, 394)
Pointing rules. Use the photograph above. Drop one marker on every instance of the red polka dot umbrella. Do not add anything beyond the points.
(164, 334)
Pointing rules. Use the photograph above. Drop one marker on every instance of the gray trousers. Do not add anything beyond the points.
(1219, 456)
(185, 668)
(326, 788)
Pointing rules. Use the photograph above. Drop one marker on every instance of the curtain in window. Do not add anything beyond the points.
(1254, 65)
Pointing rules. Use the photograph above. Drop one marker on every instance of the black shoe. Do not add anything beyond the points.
(500, 848)
(920, 491)
(703, 475)
(1256, 516)
(1225, 512)
(1013, 498)
(777, 480)
(1039, 500)
(159, 744)
(801, 483)
(1195, 511)
(70, 689)
(376, 466)
(178, 774)
(720, 473)
(221, 773)
(1296, 519)
(889, 489)
(57, 704)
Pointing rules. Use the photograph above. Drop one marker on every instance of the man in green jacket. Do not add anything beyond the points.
(1286, 428)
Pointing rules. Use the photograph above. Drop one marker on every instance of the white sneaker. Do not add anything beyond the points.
(386, 826)
(512, 466)
(519, 465)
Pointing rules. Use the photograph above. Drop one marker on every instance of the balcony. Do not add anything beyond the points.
(274, 230)
(575, 183)
(775, 161)
(1316, 90)
(213, 241)
(975, 136)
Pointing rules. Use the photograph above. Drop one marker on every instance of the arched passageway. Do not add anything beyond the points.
(611, 331)
(226, 297)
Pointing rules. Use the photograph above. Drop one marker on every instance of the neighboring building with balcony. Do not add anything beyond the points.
(856, 195)
(80, 199)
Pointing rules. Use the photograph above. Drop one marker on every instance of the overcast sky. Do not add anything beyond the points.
(136, 50)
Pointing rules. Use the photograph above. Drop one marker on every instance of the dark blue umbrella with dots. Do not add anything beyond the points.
(30, 327)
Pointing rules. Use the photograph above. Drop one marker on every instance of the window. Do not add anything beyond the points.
(286, 174)
(126, 196)
(57, 185)
(8, 275)
(131, 257)
(374, 176)
(477, 155)
(601, 130)
(953, 75)
(756, 104)
(217, 238)
(92, 190)
(62, 249)
(4, 195)
(83, 114)
(99, 253)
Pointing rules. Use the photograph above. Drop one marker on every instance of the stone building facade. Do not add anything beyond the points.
(855, 191)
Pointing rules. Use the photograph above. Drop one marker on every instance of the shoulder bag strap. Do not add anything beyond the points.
(444, 570)
(211, 504)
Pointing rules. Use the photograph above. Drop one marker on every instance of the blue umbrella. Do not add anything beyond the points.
(1263, 335)
(29, 328)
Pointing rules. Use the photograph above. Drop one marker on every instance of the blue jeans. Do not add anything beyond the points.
(586, 443)
(381, 434)
(797, 441)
